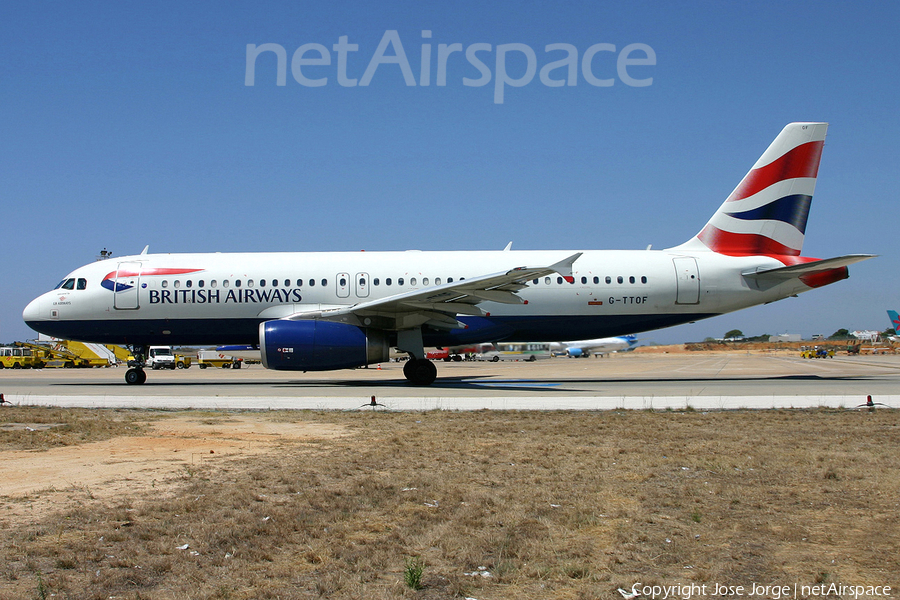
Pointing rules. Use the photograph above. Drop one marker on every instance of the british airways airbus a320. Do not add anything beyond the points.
(323, 311)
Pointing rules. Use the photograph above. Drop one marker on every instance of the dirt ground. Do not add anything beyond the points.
(35, 481)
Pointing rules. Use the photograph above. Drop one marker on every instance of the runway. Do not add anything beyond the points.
(701, 381)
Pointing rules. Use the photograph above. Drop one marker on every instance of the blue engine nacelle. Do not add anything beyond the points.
(575, 352)
(319, 345)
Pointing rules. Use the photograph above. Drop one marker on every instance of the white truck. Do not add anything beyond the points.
(160, 357)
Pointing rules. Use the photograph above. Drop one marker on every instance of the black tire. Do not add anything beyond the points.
(495, 359)
(135, 376)
(423, 372)
(202, 366)
(236, 365)
(17, 365)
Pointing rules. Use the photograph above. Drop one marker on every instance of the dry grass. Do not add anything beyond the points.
(32, 428)
(551, 505)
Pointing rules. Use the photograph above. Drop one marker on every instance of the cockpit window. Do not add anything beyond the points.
(69, 284)
(82, 284)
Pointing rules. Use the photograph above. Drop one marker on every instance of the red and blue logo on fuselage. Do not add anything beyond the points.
(113, 279)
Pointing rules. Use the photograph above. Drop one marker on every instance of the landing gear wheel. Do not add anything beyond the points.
(135, 376)
(420, 371)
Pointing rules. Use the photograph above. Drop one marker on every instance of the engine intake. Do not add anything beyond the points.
(319, 345)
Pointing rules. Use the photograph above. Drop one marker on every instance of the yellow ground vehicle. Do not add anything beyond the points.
(62, 356)
(211, 358)
(19, 358)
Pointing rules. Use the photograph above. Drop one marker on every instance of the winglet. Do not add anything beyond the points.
(146, 248)
(508, 247)
(564, 267)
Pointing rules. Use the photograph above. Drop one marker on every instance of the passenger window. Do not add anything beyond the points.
(412, 281)
(596, 279)
(237, 283)
(224, 283)
(312, 282)
(631, 279)
(376, 281)
(343, 282)
(188, 283)
(559, 280)
(643, 279)
(82, 284)
(584, 280)
(437, 281)
(424, 281)
(362, 281)
(324, 282)
(619, 279)
(546, 281)
(287, 283)
(387, 281)
(69, 284)
(535, 281)
(399, 281)
(262, 283)
(164, 283)
(608, 279)
(449, 280)
(176, 283)
(299, 283)
(249, 283)
(212, 283)
(200, 283)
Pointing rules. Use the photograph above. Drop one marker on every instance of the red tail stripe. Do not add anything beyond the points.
(802, 161)
(742, 244)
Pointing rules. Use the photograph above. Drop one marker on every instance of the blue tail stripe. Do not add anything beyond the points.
(793, 209)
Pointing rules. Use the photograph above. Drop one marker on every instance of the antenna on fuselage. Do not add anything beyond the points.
(104, 254)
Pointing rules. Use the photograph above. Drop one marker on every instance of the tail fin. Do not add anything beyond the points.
(766, 213)
(895, 320)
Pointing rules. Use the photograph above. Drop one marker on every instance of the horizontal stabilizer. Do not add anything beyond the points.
(810, 268)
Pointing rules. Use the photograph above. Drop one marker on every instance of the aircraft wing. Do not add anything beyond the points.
(439, 305)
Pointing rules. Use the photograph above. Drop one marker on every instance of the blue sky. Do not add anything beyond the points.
(126, 124)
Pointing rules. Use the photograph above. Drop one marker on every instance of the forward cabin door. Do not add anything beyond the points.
(688, 280)
(127, 284)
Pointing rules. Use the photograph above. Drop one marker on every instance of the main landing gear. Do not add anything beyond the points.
(420, 371)
(135, 375)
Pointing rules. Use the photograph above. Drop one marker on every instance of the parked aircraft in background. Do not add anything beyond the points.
(895, 324)
(600, 346)
(322, 311)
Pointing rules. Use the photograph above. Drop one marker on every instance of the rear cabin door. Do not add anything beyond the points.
(688, 280)
(127, 284)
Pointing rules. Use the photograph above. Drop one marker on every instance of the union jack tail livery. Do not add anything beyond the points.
(766, 213)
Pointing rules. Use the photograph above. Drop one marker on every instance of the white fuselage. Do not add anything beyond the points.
(222, 298)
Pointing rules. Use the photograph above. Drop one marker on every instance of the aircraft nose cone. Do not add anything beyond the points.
(32, 312)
